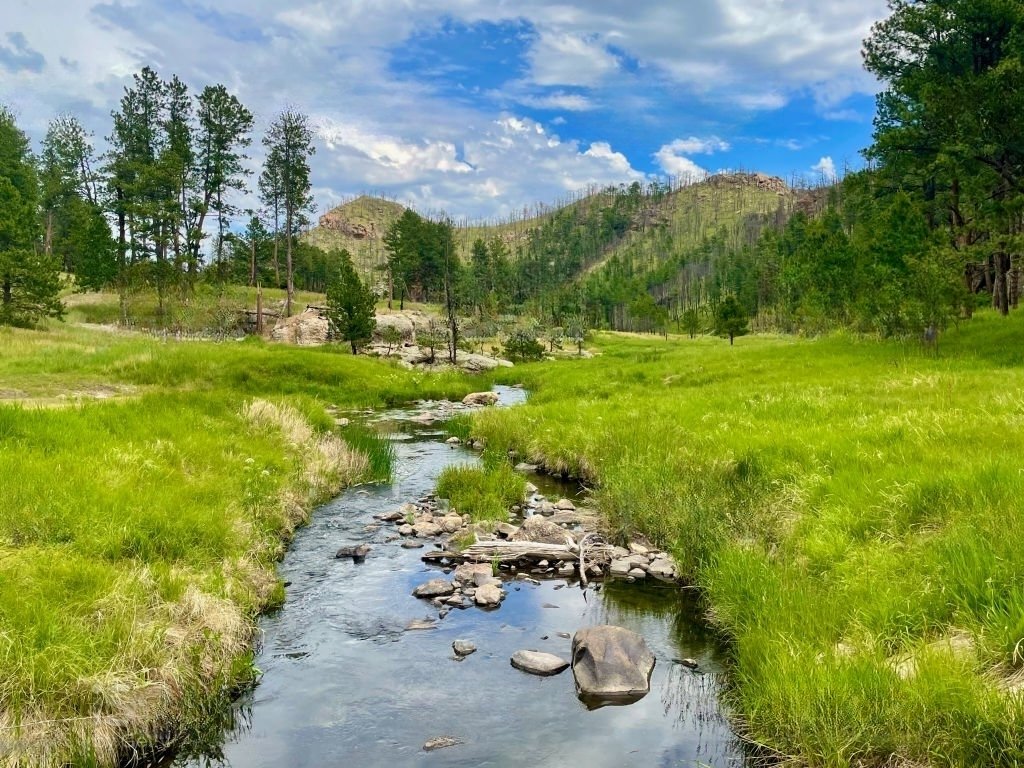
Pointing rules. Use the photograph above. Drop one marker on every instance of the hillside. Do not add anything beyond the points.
(649, 224)
(358, 226)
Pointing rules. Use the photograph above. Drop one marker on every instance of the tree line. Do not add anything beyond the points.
(156, 207)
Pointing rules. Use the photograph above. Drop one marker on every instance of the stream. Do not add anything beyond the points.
(344, 684)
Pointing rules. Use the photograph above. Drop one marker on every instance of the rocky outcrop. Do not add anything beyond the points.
(306, 329)
(407, 322)
(611, 664)
(759, 181)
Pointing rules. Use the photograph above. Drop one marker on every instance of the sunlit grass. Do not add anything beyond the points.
(851, 508)
(484, 493)
(140, 522)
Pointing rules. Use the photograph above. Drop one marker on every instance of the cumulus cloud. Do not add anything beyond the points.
(677, 165)
(330, 58)
(383, 159)
(825, 168)
(561, 58)
(673, 158)
(510, 161)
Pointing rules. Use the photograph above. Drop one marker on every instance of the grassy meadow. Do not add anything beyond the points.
(148, 488)
(851, 509)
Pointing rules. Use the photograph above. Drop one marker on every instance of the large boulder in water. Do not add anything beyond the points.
(612, 665)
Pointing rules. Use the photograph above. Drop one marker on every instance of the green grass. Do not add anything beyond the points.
(139, 533)
(484, 493)
(209, 310)
(851, 509)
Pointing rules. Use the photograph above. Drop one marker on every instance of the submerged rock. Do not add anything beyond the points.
(419, 624)
(539, 663)
(441, 742)
(611, 665)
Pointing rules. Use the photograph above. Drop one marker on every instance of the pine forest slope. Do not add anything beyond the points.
(644, 225)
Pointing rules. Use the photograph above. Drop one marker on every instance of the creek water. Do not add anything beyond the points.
(343, 683)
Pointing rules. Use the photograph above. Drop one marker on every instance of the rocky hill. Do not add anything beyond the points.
(674, 219)
(358, 226)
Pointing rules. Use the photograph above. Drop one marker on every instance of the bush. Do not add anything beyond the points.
(522, 345)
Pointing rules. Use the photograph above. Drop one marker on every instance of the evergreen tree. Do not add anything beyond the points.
(29, 278)
(730, 319)
(350, 305)
(289, 143)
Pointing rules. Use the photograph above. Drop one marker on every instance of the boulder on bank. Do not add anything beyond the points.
(480, 398)
(611, 664)
(538, 663)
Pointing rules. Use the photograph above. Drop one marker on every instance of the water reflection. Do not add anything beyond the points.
(343, 684)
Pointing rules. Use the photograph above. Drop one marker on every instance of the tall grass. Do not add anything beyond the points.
(851, 508)
(484, 493)
(139, 534)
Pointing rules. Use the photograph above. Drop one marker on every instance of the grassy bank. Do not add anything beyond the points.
(852, 510)
(148, 489)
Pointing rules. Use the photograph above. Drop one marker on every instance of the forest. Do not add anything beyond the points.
(929, 230)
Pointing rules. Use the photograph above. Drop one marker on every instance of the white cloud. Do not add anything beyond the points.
(329, 58)
(383, 159)
(767, 101)
(677, 165)
(570, 102)
(560, 58)
(825, 168)
(698, 146)
(508, 162)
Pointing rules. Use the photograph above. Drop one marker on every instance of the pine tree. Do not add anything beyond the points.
(29, 279)
(289, 143)
(730, 319)
(350, 305)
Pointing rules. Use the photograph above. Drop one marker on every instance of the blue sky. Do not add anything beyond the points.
(480, 108)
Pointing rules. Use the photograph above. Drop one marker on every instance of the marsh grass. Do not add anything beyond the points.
(484, 493)
(852, 510)
(139, 534)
